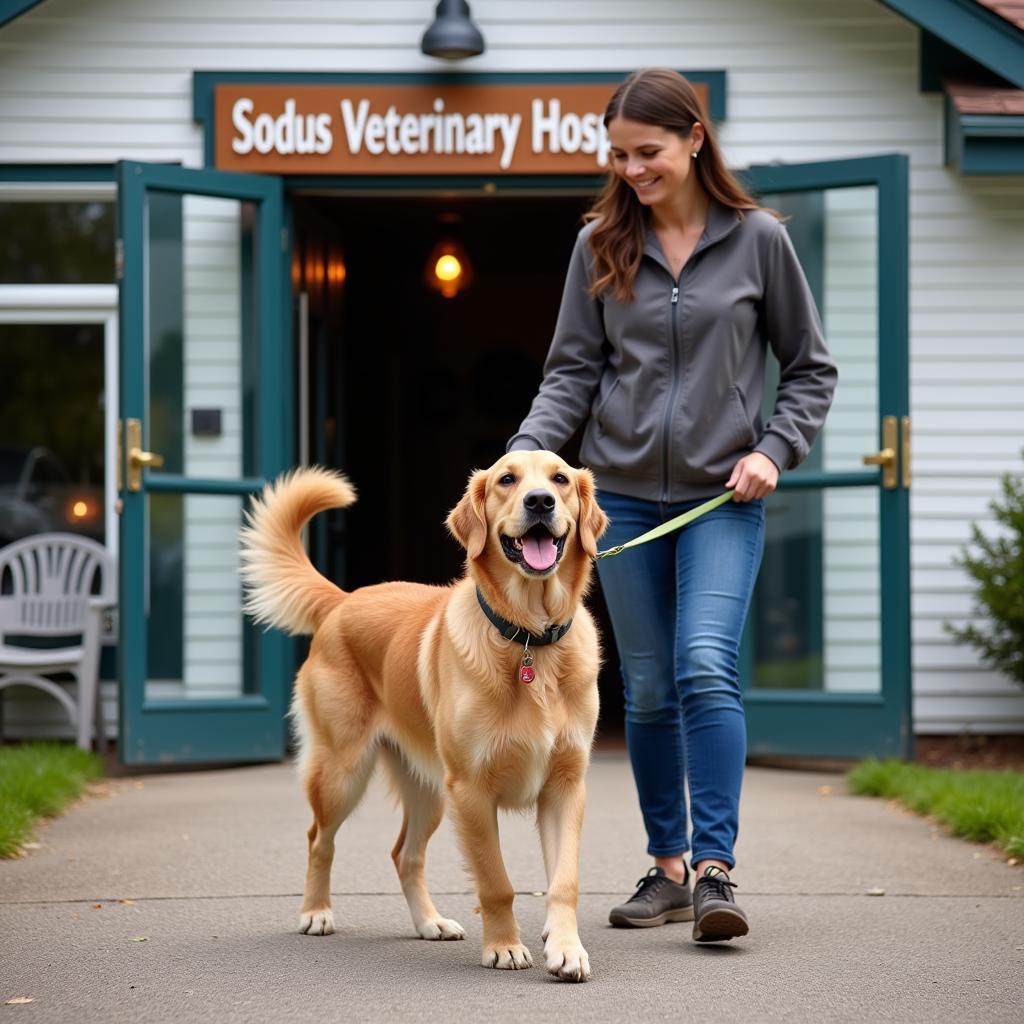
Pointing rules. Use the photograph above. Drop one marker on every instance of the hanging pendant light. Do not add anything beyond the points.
(448, 269)
(452, 34)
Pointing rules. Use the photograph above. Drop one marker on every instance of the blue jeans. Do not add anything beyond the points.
(678, 605)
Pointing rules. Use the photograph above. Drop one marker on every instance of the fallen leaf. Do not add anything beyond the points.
(96, 906)
(1013, 862)
(127, 903)
(824, 790)
(19, 1000)
(31, 846)
(876, 892)
(139, 938)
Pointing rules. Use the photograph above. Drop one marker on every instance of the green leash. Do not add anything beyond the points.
(670, 526)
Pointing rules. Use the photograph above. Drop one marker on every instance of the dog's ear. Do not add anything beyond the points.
(593, 521)
(468, 520)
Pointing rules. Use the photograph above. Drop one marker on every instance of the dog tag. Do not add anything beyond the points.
(526, 673)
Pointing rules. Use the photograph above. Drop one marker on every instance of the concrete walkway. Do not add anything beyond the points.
(175, 898)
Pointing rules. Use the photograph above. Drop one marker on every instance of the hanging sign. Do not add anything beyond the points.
(417, 128)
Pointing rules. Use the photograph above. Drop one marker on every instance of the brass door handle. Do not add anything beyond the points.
(886, 457)
(138, 458)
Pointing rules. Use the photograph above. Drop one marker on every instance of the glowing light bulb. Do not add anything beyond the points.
(80, 509)
(448, 268)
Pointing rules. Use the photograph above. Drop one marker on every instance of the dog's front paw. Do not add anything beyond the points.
(317, 922)
(439, 928)
(567, 960)
(507, 956)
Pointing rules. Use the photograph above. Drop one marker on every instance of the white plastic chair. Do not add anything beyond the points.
(56, 585)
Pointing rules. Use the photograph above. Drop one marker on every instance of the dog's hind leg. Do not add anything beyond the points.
(422, 810)
(335, 782)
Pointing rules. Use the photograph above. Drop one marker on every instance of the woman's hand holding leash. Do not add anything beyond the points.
(754, 476)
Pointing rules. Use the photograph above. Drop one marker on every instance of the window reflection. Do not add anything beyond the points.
(51, 430)
(56, 243)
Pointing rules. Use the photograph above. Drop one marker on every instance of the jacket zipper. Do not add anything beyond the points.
(666, 425)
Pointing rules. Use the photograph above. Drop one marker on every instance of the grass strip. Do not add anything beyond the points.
(38, 780)
(987, 807)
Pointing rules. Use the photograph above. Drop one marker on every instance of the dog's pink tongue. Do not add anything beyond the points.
(539, 554)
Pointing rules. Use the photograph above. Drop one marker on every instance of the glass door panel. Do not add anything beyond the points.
(816, 612)
(817, 604)
(195, 628)
(199, 279)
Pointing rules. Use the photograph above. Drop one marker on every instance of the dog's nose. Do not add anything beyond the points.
(539, 501)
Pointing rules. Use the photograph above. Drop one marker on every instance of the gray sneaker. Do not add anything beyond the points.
(717, 916)
(657, 900)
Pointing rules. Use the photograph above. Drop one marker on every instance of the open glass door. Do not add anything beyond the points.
(205, 392)
(827, 651)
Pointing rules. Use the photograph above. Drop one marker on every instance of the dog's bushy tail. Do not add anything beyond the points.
(282, 588)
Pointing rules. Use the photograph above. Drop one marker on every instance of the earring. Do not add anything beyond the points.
(694, 154)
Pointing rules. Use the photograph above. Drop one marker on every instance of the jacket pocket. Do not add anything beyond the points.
(743, 429)
(602, 406)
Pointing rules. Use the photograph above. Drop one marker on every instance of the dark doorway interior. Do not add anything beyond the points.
(410, 391)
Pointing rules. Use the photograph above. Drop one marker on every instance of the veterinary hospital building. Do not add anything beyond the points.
(242, 235)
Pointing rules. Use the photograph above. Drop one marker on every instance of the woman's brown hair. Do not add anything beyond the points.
(663, 98)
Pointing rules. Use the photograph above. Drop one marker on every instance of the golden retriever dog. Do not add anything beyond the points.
(474, 695)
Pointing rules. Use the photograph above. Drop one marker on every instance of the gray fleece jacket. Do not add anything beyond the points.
(670, 384)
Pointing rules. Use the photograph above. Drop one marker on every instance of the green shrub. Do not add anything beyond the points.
(998, 572)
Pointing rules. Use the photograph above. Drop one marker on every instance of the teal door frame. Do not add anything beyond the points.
(816, 723)
(250, 727)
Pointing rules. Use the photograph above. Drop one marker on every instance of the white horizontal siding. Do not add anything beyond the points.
(967, 406)
(808, 79)
(29, 713)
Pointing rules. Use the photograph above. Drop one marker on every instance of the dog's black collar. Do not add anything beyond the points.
(510, 631)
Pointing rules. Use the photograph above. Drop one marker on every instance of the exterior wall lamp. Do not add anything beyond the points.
(452, 34)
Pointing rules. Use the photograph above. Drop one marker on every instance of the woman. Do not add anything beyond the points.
(676, 286)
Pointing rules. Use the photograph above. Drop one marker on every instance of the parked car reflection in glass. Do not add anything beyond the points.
(37, 495)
